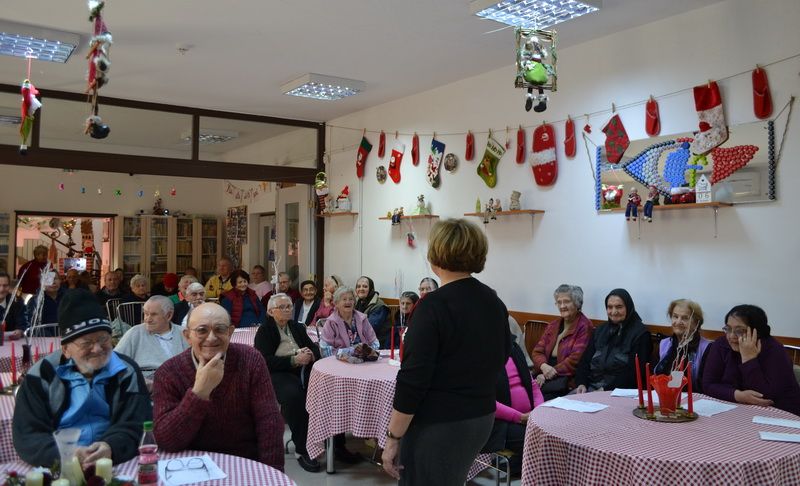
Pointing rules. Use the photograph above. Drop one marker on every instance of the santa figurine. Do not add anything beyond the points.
(632, 209)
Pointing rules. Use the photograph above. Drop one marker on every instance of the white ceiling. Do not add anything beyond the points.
(242, 51)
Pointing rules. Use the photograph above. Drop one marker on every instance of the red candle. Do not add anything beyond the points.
(13, 365)
(51, 346)
(391, 345)
(649, 390)
(402, 338)
(36, 355)
(639, 382)
(690, 405)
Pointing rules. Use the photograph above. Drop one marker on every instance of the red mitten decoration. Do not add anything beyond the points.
(616, 139)
(762, 98)
(395, 160)
(569, 138)
(470, 152)
(382, 145)
(361, 157)
(521, 145)
(652, 119)
(728, 160)
(415, 150)
(543, 162)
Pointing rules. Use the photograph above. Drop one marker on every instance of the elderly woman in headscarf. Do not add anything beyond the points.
(368, 302)
(608, 361)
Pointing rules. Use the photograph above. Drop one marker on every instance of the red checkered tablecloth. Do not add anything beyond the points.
(614, 447)
(356, 398)
(240, 471)
(247, 335)
(7, 452)
(43, 343)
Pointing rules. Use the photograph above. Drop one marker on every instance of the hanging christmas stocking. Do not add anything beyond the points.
(361, 158)
(434, 161)
(487, 169)
(713, 130)
(415, 150)
(762, 99)
(470, 152)
(394, 161)
(652, 119)
(543, 163)
(569, 138)
(382, 145)
(521, 145)
(616, 139)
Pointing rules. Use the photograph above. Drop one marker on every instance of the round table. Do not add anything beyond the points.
(247, 335)
(614, 447)
(7, 402)
(240, 471)
(357, 398)
(43, 343)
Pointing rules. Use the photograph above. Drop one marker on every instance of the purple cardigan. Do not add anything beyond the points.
(770, 373)
(697, 361)
(570, 349)
(335, 331)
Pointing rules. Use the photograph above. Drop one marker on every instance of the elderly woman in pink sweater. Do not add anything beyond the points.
(346, 326)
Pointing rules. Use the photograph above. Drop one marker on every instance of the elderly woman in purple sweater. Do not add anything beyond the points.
(749, 366)
(346, 326)
(562, 344)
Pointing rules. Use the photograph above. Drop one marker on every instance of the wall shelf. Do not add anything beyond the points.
(412, 216)
(714, 205)
(509, 213)
(332, 215)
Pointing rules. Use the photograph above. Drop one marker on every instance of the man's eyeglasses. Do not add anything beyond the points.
(284, 307)
(204, 331)
(87, 344)
(178, 467)
(738, 332)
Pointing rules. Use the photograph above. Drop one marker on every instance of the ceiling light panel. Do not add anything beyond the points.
(322, 87)
(539, 14)
(22, 40)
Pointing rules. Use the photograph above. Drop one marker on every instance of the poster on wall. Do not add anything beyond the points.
(235, 233)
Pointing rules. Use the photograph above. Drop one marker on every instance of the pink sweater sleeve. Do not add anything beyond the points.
(506, 413)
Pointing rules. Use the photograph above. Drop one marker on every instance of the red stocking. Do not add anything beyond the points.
(470, 152)
(415, 150)
(544, 165)
(521, 145)
(395, 160)
(762, 99)
(616, 139)
(652, 119)
(569, 138)
(382, 145)
(361, 158)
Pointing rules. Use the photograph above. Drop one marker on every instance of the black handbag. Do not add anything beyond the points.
(555, 386)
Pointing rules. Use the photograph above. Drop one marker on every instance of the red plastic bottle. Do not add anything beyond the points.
(148, 457)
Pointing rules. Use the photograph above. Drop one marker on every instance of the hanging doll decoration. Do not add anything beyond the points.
(322, 190)
(29, 106)
(99, 65)
(652, 200)
(536, 65)
(632, 209)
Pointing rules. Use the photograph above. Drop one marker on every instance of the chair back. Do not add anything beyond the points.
(325, 349)
(111, 308)
(130, 312)
(51, 329)
(533, 331)
(394, 314)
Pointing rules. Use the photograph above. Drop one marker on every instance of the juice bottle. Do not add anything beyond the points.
(148, 457)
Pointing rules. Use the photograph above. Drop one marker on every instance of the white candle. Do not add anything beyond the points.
(103, 468)
(34, 478)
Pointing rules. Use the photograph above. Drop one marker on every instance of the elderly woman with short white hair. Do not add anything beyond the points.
(346, 326)
(140, 292)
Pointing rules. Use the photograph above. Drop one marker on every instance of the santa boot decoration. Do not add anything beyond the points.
(569, 138)
(652, 119)
(415, 149)
(713, 130)
(434, 163)
(617, 140)
(762, 98)
(395, 160)
(361, 158)
(520, 145)
(487, 168)
(543, 162)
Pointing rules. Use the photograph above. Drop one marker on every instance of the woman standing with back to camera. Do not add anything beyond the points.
(459, 341)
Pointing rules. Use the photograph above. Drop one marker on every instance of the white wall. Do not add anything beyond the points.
(754, 259)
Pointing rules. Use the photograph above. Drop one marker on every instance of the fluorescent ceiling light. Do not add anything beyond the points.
(22, 40)
(10, 116)
(210, 136)
(539, 14)
(322, 87)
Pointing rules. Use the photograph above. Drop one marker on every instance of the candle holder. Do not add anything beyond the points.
(669, 397)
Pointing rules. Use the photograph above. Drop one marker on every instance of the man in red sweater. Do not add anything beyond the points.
(215, 396)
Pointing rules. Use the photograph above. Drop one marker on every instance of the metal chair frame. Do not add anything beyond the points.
(127, 310)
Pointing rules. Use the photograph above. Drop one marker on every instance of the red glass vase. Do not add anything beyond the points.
(668, 397)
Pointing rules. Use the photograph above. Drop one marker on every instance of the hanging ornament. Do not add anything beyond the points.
(520, 145)
(543, 163)
(99, 65)
(362, 154)
(60, 186)
(99, 190)
(652, 119)
(487, 168)
(536, 65)
(617, 140)
(157, 193)
(117, 192)
(762, 98)
(469, 153)
(29, 106)
(382, 145)
(83, 190)
(415, 149)
(587, 127)
(140, 193)
(569, 138)
(173, 191)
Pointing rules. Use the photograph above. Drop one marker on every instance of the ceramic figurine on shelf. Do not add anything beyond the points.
(652, 200)
(612, 196)
(343, 201)
(514, 205)
(496, 208)
(421, 207)
(478, 205)
(488, 211)
(632, 209)
(397, 215)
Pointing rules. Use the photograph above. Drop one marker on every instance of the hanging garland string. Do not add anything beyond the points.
(587, 115)
(249, 194)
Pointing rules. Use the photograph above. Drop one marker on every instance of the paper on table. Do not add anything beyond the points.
(188, 470)
(625, 392)
(574, 405)
(779, 437)
(758, 419)
(707, 408)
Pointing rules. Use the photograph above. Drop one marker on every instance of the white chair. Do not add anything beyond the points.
(130, 312)
(41, 330)
(325, 349)
(111, 308)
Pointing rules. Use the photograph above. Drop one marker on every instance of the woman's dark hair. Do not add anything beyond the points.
(239, 273)
(308, 282)
(753, 316)
(412, 296)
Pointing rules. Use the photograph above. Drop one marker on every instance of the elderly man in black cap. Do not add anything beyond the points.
(85, 385)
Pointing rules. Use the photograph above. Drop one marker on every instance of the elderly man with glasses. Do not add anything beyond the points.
(216, 396)
(289, 354)
(85, 385)
(195, 295)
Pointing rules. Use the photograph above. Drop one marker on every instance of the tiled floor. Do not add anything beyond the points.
(364, 473)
